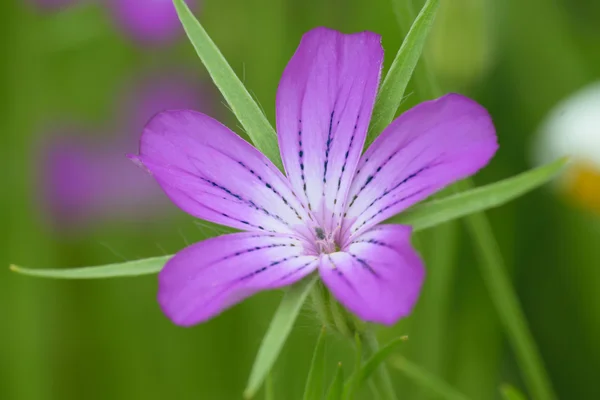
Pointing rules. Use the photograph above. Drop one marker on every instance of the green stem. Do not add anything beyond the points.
(426, 380)
(442, 242)
(507, 305)
(381, 380)
(269, 387)
(426, 83)
(492, 266)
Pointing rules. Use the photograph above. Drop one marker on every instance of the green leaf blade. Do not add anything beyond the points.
(336, 389)
(362, 373)
(314, 383)
(130, 268)
(242, 104)
(269, 388)
(509, 392)
(392, 89)
(277, 333)
(509, 309)
(479, 199)
(427, 381)
(377, 359)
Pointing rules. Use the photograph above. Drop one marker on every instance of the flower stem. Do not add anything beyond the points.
(491, 263)
(381, 383)
(508, 307)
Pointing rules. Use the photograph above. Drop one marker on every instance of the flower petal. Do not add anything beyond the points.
(378, 276)
(204, 279)
(425, 149)
(213, 174)
(324, 104)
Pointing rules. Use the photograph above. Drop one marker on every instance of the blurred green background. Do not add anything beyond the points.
(107, 339)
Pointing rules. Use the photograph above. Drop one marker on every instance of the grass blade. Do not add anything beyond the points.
(492, 266)
(314, 382)
(431, 383)
(482, 198)
(507, 305)
(377, 359)
(392, 89)
(277, 333)
(509, 392)
(242, 104)
(373, 364)
(130, 268)
(269, 387)
(336, 388)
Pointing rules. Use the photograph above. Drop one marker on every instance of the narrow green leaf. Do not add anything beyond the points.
(269, 387)
(492, 265)
(392, 89)
(420, 217)
(314, 382)
(278, 331)
(378, 358)
(350, 387)
(507, 305)
(242, 104)
(364, 372)
(424, 82)
(482, 198)
(427, 381)
(337, 385)
(509, 392)
(130, 268)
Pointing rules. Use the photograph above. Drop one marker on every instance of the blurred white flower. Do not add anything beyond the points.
(572, 129)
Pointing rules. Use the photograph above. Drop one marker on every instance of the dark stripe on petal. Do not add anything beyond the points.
(272, 189)
(295, 271)
(266, 267)
(384, 209)
(364, 264)
(327, 149)
(371, 177)
(247, 223)
(346, 155)
(301, 160)
(245, 201)
(341, 274)
(388, 191)
(257, 248)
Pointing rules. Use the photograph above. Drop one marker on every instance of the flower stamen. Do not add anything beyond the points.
(326, 243)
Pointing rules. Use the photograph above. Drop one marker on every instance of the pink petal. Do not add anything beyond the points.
(324, 105)
(428, 147)
(213, 174)
(208, 277)
(378, 276)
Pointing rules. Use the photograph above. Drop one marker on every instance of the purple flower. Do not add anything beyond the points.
(150, 21)
(325, 214)
(86, 177)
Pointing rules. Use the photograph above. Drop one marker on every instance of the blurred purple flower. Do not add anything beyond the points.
(326, 214)
(148, 22)
(84, 178)
(152, 22)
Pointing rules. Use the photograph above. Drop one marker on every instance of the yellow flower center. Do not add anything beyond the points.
(582, 185)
